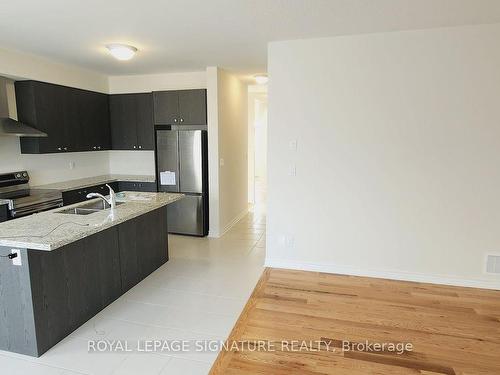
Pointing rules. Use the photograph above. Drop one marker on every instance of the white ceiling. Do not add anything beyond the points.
(188, 35)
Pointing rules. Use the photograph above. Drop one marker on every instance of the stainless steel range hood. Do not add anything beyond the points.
(15, 128)
(9, 126)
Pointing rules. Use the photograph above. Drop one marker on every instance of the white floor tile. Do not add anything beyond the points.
(184, 367)
(148, 364)
(72, 354)
(14, 366)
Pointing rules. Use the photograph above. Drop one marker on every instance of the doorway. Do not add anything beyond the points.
(257, 147)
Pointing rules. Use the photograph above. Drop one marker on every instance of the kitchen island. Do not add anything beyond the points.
(72, 262)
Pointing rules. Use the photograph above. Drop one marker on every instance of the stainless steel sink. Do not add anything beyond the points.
(89, 208)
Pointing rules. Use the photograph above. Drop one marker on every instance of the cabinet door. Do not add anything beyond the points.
(4, 212)
(74, 119)
(123, 122)
(166, 107)
(73, 131)
(85, 119)
(137, 186)
(101, 127)
(144, 121)
(193, 107)
(72, 284)
(50, 105)
(142, 250)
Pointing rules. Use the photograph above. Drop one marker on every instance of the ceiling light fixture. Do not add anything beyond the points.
(121, 51)
(261, 79)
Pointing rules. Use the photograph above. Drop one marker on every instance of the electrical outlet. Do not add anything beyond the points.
(221, 162)
(292, 170)
(493, 263)
(17, 260)
(71, 165)
(292, 145)
(287, 241)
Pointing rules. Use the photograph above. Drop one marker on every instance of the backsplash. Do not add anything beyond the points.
(48, 168)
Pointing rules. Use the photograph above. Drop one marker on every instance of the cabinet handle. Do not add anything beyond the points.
(175, 120)
(182, 120)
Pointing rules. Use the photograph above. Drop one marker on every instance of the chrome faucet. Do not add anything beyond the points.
(111, 200)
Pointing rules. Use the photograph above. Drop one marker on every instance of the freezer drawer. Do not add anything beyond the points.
(186, 216)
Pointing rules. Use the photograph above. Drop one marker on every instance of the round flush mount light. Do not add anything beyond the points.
(261, 79)
(121, 51)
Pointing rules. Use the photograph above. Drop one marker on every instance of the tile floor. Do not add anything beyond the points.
(197, 295)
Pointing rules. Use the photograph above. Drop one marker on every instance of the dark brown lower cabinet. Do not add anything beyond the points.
(55, 292)
(80, 195)
(142, 247)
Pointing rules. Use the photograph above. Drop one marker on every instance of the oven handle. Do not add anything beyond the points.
(36, 208)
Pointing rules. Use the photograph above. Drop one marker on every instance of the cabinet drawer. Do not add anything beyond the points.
(80, 195)
(4, 213)
(137, 186)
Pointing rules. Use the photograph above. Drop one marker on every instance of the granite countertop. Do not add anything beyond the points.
(97, 180)
(50, 230)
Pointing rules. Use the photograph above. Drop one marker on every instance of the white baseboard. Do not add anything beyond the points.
(232, 223)
(383, 274)
(212, 234)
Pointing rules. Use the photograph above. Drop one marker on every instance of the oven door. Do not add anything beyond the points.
(38, 200)
(20, 211)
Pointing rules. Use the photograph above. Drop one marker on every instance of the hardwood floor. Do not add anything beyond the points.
(453, 330)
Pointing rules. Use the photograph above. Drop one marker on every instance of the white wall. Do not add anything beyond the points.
(251, 147)
(227, 102)
(51, 167)
(19, 65)
(132, 162)
(233, 133)
(48, 168)
(257, 139)
(398, 154)
(213, 151)
(157, 82)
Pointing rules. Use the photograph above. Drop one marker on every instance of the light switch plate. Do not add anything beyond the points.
(17, 260)
(292, 170)
(292, 145)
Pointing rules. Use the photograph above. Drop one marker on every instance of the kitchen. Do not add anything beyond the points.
(130, 151)
(68, 214)
(149, 140)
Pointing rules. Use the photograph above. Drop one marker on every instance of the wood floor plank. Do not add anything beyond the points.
(453, 330)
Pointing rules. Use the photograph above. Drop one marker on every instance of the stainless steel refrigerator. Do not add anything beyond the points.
(182, 167)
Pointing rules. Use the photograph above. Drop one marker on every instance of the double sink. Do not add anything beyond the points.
(88, 208)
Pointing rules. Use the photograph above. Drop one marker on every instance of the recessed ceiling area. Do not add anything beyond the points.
(188, 35)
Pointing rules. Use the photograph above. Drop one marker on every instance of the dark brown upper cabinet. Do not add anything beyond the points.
(180, 107)
(132, 125)
(74, 119)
